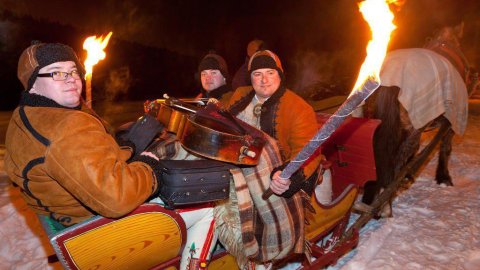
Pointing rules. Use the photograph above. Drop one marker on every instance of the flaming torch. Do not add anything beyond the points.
(94, 47)
(380, 20)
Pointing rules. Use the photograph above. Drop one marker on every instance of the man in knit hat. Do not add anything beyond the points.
(66, 164)
(268, 105)
(242, 76)
(213, 72)
(278, 111)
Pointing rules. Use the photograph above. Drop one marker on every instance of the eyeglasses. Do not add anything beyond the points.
(60, 75)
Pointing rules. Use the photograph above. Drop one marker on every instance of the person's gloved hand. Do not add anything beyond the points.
(121, 132)
(142, 132)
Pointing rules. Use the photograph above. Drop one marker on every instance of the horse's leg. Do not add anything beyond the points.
(442, 175)
(410, 144)
(408, 149)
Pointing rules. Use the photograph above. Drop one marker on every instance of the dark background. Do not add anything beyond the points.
(156, 45)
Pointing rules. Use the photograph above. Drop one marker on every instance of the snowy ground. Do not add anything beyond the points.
(433, 227)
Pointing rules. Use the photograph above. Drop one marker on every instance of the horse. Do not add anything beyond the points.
(420, 87)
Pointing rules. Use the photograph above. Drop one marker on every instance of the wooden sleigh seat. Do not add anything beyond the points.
(150, 237)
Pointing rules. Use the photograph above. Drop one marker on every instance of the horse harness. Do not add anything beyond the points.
(453, 54)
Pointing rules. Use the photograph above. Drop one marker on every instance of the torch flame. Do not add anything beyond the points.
(380, 20)
(94, 47)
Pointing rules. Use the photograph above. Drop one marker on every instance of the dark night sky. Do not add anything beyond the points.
(316, 40)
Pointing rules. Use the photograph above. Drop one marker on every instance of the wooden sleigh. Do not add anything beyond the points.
(152, 237)
(350, 152)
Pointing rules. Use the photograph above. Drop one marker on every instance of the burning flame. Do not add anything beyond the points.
(94, 47)
(380, 20)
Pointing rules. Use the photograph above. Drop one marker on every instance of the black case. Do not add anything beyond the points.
(186, 182)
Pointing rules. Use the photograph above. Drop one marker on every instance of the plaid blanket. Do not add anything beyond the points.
(252, 228)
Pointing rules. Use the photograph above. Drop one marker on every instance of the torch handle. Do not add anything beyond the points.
(350, 104)
(88, 90)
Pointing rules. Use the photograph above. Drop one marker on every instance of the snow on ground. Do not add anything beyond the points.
(24, 245)
(433, 227)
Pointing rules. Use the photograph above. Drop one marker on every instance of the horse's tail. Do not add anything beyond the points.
(384, 105)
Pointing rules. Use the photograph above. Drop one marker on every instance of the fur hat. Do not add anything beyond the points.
(265, 59)
(213, 61)
(254, 45)
(40, 55)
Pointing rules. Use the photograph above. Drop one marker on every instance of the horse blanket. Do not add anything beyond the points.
(429, 87)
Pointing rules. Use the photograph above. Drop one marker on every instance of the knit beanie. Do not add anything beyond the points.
(40, 55)
(265, 59)
(214, 61)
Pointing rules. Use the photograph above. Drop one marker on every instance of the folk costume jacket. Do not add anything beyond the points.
(286, 117)
(67, 166)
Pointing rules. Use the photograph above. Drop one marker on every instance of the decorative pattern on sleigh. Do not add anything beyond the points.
(152, 237)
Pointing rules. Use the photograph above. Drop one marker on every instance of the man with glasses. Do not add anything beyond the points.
(67, 165)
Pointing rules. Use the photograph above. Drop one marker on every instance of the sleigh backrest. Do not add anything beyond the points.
(350, 149)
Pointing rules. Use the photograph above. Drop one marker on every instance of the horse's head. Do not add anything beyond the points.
(446, 42)
(447, 35)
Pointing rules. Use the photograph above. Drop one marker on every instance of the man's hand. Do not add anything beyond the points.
(279, 185)
(213, 100)
(143, 131)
